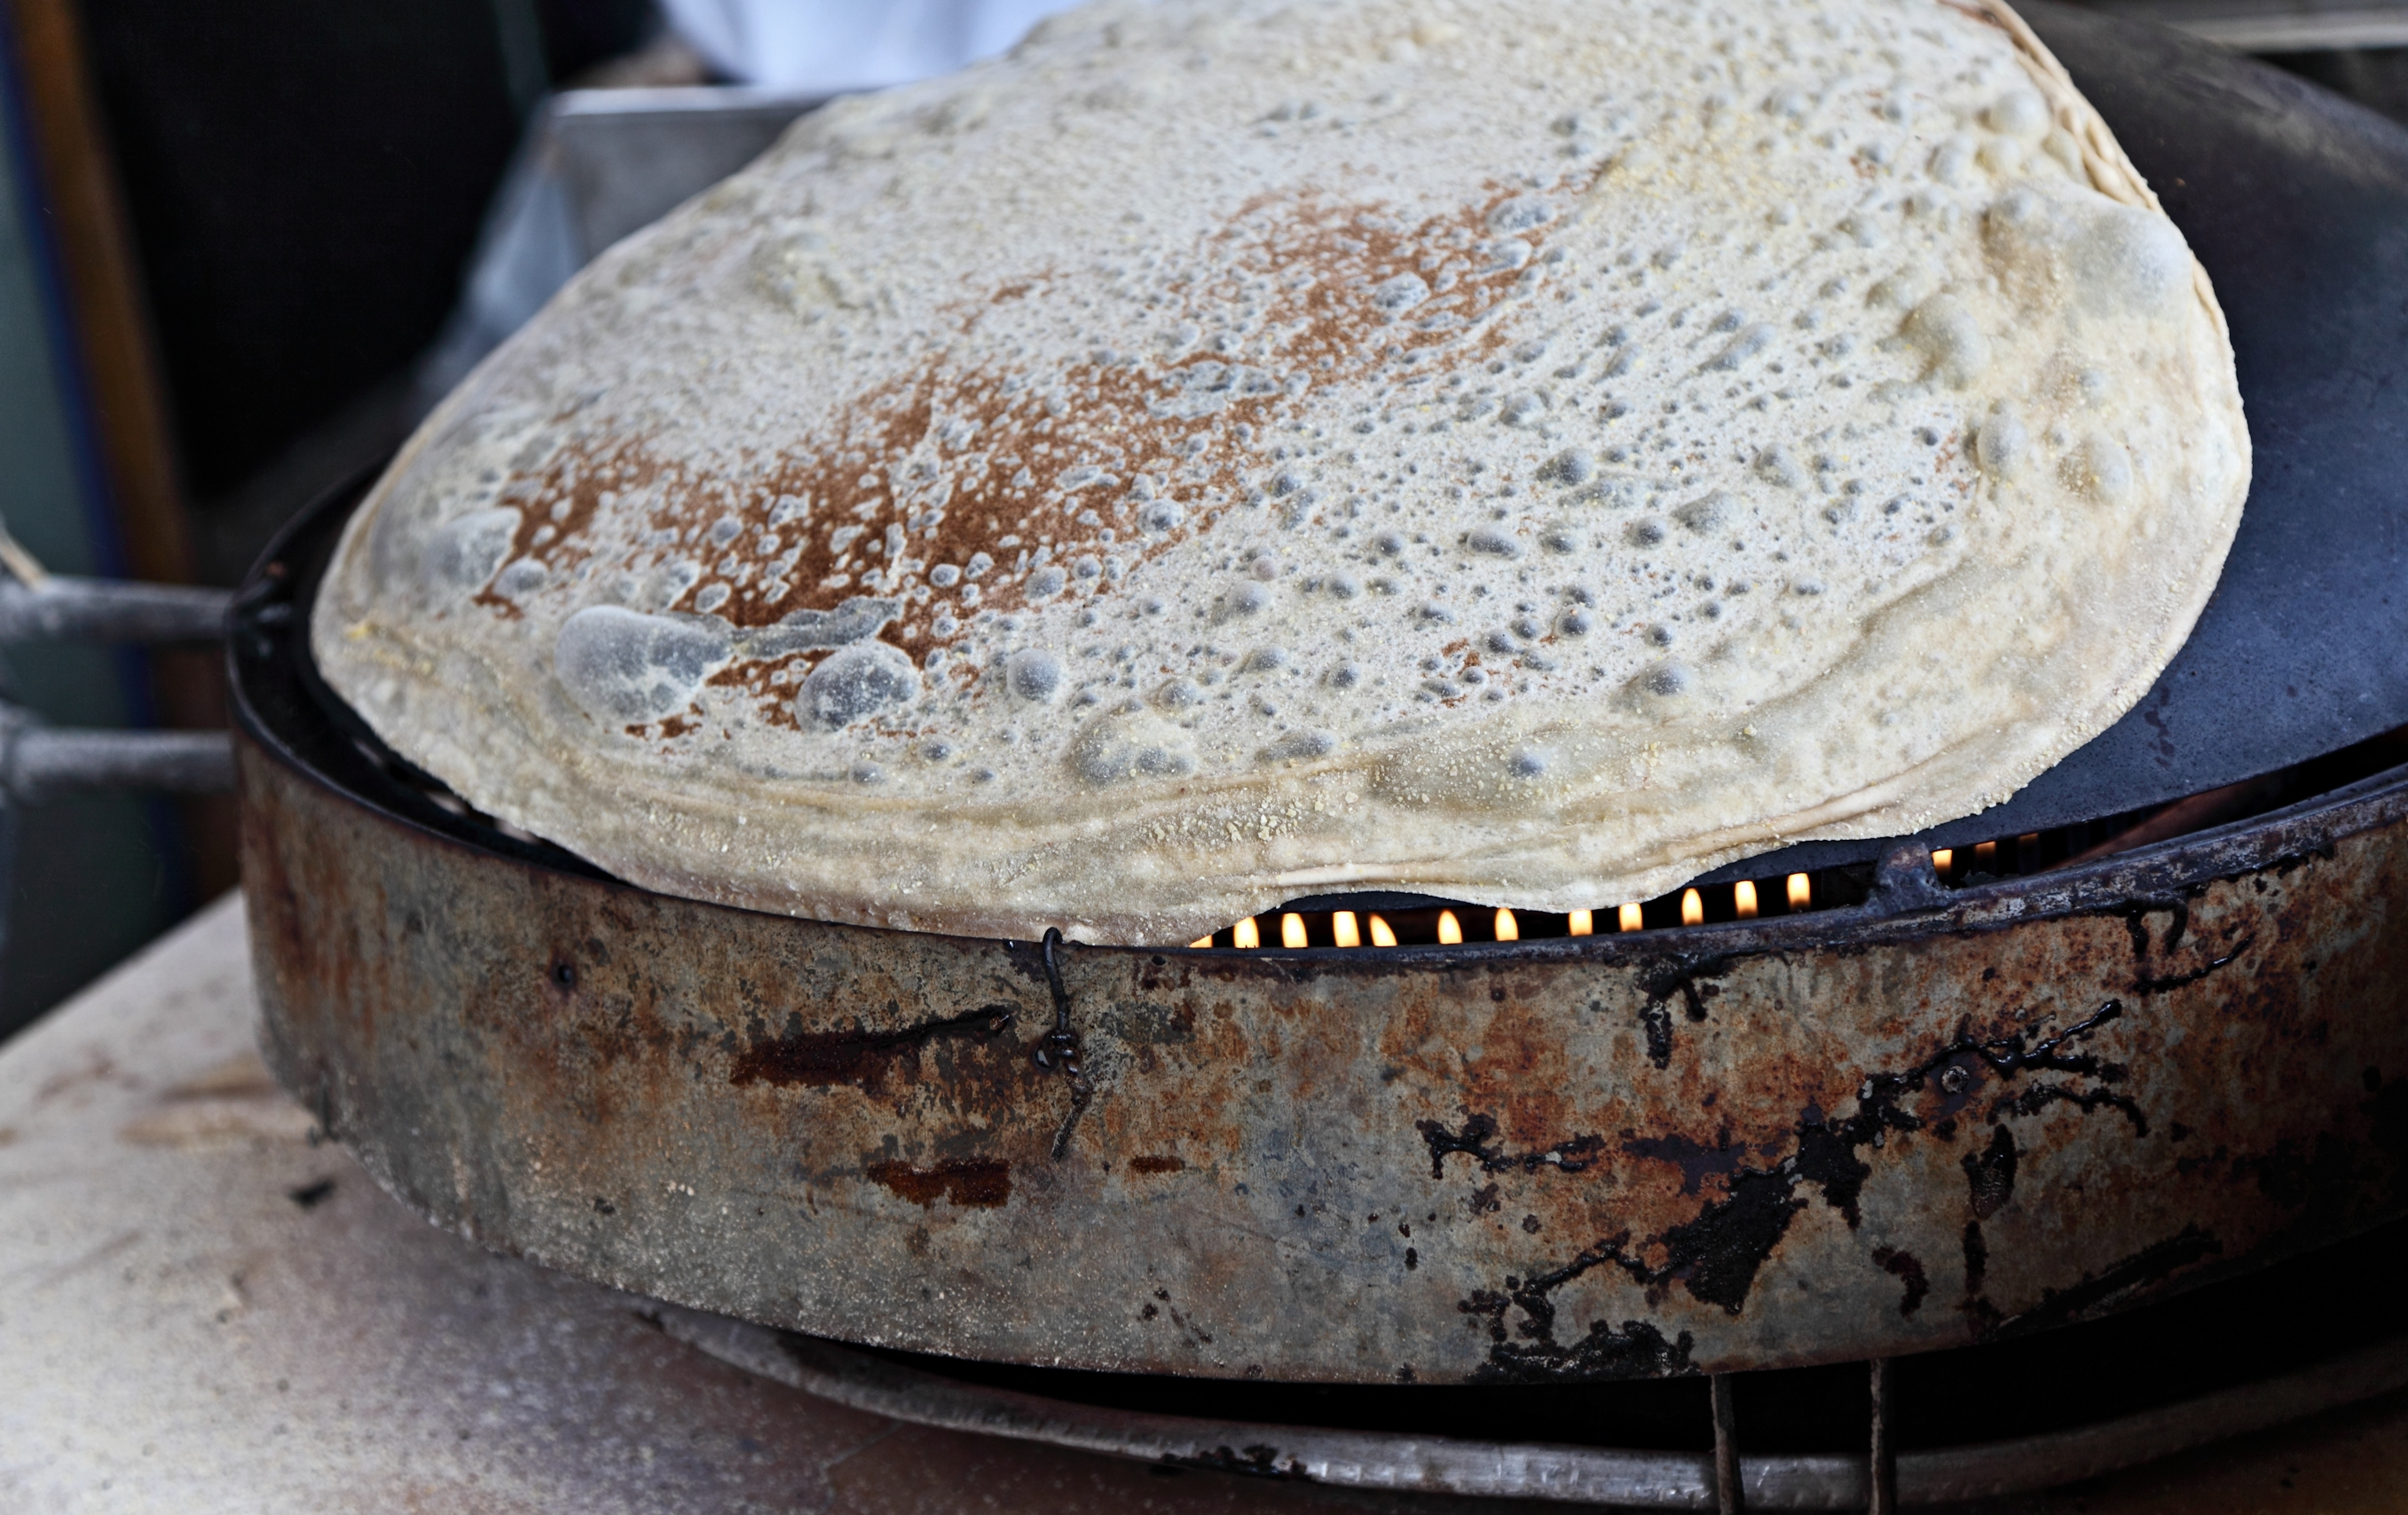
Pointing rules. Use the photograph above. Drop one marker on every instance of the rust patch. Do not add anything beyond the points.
(973, 1182)
(1155, 1164)
(864, 1058)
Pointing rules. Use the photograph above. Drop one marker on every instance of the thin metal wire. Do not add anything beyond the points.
(1059, 1049)
(1729, 1497)
(1884, 1448)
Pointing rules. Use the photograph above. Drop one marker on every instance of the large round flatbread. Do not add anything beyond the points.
(1529, 453)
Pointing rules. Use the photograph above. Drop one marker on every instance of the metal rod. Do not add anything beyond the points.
(1730, 1497)
(1884, 1449)
(108, 611)
(39, 762)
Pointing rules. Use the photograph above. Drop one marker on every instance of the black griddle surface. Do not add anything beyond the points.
(2296, 202)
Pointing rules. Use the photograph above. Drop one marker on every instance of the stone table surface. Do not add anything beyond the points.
(201, 1311)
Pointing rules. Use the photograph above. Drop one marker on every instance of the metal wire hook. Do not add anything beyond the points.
(1059, 1049)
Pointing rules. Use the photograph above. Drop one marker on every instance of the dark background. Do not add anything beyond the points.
(302, 183)
(305, 181)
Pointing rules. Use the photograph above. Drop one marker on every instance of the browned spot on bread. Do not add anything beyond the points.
(913, 480)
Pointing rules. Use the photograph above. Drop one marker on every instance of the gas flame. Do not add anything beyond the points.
(1344, 930)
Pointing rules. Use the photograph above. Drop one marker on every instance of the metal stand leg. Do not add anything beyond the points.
(1885, 1459)
(1728, 1496)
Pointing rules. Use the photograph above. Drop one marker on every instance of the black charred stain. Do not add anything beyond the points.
(1977, 1257)
(1412, 1259)
(1151, 1311)
(310, 1196)
(1485, 1201)
(1697, 1161)
(1253, 1462)
(1717, 1255)
(1991, 1174)
(823, 1058)
(1908, 1269)
(1637, 1350)
(2152, 1264)
(2136, 923)
(562, 975)
(973, 1184)
(1656, 1020)
(1530, 1225)
(1689, 980)
(2039, 1097)
(1478, 1141)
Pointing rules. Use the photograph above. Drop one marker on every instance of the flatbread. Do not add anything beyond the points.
(1530, 453)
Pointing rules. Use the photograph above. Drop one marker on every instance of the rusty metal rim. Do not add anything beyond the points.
(1455, 1467)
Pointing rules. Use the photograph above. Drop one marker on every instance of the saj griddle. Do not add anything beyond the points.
(2136, 1032)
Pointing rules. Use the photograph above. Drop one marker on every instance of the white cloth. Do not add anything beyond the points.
(838, 45)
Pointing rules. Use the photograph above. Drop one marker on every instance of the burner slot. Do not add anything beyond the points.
(1447, 926)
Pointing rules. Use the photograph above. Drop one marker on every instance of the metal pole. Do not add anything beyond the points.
(1885, 1450)
(110, 610)
(39, 762)
(1728, 1496)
